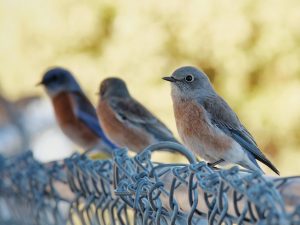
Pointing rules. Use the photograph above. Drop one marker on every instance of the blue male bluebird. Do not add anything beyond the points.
(74, 112)
(127, 122)
(207, 124)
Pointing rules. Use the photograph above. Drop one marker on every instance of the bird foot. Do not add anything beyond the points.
(214, 164)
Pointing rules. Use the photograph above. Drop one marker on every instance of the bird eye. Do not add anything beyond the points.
(189, 78)
(54, 78)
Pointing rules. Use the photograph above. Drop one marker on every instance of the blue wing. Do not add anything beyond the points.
(86, 113)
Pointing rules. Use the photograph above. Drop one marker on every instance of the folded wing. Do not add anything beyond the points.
(225, 119)
(132, 112)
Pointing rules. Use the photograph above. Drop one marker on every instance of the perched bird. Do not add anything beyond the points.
(207, 124)
(74, 112)
(127, 122)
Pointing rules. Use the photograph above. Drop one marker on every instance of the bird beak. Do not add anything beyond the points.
(39, 83)
(170, 79)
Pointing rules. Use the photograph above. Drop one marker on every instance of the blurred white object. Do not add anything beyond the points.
(33, 127)
(47, 142)
(51, 145)
(10, 139)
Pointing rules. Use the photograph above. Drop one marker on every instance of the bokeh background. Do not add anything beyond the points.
(250, 50)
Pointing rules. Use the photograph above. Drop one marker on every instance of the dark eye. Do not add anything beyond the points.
(189, 78)
(54, 78)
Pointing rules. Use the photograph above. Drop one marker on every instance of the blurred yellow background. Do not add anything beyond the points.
(250, 50)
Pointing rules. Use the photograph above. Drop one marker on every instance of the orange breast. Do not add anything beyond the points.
(122, 133)
(193, 126)
(76, 130)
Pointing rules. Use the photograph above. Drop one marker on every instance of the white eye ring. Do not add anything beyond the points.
(189, 78)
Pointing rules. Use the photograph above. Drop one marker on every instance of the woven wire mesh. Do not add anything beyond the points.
(136, 190)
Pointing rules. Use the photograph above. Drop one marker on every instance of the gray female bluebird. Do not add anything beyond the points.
(127, 122)
(74, 112)
(207, 124)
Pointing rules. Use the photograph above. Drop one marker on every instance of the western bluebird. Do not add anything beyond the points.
(207, 124)
(74, 112)
(127, 122)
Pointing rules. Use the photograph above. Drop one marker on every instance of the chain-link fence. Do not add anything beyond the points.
(136, 190)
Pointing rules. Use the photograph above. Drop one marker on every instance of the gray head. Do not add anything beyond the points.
(189, 82)
(57, 80)
(113, 86)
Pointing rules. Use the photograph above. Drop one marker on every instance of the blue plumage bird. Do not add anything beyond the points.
(74, 112)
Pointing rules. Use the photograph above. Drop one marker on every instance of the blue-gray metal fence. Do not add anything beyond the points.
(136, 190)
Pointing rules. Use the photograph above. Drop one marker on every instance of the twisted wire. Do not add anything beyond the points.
(136, 190)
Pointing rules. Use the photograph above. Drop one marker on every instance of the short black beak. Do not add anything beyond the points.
(39, 83)
(170, 79)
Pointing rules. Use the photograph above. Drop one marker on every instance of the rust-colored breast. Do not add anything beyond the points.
(75, 129)
(63, 109)
(197, 132)
(122, 133)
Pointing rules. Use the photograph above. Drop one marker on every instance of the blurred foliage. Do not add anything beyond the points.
(250, 49)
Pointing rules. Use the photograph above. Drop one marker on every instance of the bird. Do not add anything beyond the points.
(208, 126)
(75, 114)
(126, 121)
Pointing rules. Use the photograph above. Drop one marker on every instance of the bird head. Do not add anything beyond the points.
(189, 82)
(113, 86)
(57, 80)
